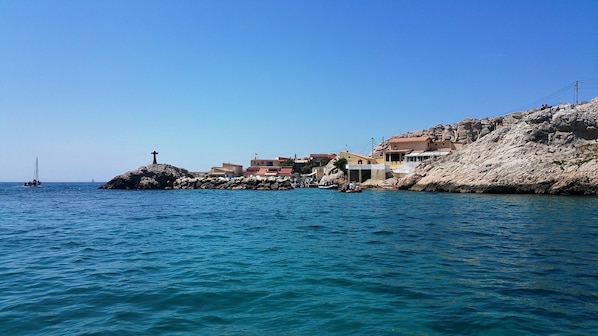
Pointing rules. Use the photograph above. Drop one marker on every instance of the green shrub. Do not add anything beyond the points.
(340, 164)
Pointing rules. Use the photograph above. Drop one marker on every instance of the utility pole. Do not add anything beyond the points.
(372, 146)
(576, 92)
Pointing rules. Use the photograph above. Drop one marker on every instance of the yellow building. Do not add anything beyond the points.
(362, 167)
(227, 169)
(404, 154)
(395, 156)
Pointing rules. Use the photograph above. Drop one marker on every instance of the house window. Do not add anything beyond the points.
(395, 157)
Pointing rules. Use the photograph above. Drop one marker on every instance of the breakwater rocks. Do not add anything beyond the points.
(552, 150)
(236, 183)
(165, 176)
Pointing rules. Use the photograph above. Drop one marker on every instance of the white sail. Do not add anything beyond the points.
(35, 182)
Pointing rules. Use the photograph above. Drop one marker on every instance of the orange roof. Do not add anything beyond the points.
(222, 169)
(414, 139)
(406, 150)
(329, 156)
(285, 171)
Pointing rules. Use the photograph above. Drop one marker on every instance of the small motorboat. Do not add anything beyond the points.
(355, 189)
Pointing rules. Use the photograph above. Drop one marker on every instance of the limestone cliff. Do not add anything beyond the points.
(552, 150)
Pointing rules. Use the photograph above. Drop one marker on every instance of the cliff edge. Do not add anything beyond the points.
(552, 150)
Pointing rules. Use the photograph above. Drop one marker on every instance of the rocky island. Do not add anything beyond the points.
(154, 176)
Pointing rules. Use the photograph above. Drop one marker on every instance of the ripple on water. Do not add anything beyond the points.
(303, 262)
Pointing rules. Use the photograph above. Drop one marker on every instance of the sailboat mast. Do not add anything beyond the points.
(36, 180)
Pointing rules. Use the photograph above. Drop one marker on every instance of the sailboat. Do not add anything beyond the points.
(36, 182)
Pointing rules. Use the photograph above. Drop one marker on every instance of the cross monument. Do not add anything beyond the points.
(155, 153)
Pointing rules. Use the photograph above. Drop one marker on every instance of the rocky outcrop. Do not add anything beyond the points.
(236, 183)
(154, 176)
(333, 175)
(465, 131)
(553, 150)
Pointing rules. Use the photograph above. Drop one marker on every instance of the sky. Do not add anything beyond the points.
(91, 88)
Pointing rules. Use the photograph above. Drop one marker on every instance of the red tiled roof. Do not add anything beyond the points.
(329, 156)
(285, 171)
(408, 150)
(414, 139)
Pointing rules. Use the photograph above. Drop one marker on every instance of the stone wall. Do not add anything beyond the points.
(237, 183)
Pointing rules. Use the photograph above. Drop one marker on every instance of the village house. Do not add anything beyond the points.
(269, 167)
(227, 170)
(320, 161)
(404, 154)
(280, 165)
(362, 167)
(400, 158)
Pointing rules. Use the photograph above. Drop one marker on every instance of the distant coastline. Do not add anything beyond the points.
(548, 150)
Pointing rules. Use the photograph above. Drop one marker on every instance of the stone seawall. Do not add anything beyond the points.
(236, 183)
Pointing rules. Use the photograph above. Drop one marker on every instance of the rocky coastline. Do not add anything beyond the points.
(550, 150)
(165, 176)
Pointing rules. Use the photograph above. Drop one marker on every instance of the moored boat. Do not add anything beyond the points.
(35, 182)
(351, 189)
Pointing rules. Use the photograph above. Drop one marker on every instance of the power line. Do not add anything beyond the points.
(563, 92)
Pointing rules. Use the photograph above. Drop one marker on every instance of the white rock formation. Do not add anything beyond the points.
(553, 150)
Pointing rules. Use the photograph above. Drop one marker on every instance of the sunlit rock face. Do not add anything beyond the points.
(552, 150)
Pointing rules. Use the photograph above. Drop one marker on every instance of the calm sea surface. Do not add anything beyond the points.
(75, 260)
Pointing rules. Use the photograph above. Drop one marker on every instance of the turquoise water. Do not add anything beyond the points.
(75, 260)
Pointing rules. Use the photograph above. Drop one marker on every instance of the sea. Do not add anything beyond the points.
(76, 260)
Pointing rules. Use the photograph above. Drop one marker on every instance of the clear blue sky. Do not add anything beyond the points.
(92, 87)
